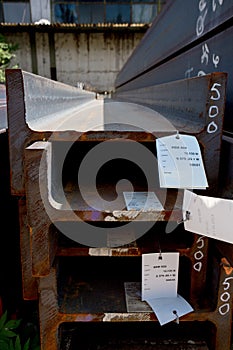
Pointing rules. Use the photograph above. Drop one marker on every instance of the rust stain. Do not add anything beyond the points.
(227, 267)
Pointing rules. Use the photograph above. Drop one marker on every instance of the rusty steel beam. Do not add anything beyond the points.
(220, 315)
(39, 108)
(181, 102)
(179, 26)
(28, 122)
(44, 209)
(41, 174)
(212, 55)
(29, 283)
(46, 206)
(31, 100)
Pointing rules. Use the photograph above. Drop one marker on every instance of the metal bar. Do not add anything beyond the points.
(213, 55)
(219, 316)
(43, 245)
(176, 99)
(29, 284)
(30, 100)
(16, 126)
(180, 25)
(65, 110)
(44, 208)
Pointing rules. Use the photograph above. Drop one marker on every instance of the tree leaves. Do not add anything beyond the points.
(6, 55)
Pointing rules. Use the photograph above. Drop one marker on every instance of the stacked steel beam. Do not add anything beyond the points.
(52, 128)
(65, 224)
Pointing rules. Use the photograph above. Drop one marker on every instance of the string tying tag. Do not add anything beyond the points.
(160, 252)
(177, 134)
(177, 316)
(187, 217)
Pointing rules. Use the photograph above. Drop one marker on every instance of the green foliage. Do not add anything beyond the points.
(6, 54)
(12, 337)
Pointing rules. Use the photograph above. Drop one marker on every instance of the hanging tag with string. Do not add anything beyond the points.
(180, 163)
(159, 286)
(159, 275)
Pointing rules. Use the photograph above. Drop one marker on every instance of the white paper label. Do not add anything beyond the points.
(144, 201)
(159, 286)
(169, 309)
(159, 275)
(180, 162)
(209, 216)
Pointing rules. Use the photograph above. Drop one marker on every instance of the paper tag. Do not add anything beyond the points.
(99, 251)
(169, 309)
(159, 275)
(145, 201)
(180, 162)
(209, 216)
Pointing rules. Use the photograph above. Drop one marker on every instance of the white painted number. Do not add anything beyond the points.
(201, 241)
(200, 26)
(227, 283)
(215, 59)
(225, 297)
(199, 254)
(201, 73)
(205, 54)
(212, 127)
(224, 309)
(216, 95)
(202, 5)
(213, 110)
(214, 5)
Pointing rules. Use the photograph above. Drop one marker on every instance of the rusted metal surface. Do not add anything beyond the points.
(150, 242)
(133, 337)
(104, 291)
(156, 97)
(195, 248)
(219, 315)
(43, 210)
(70, 207)
(45, 118)
(28, 123)
(29, 283)
(30, 98)
(179, 102)
(185, 40)
(39, 140)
